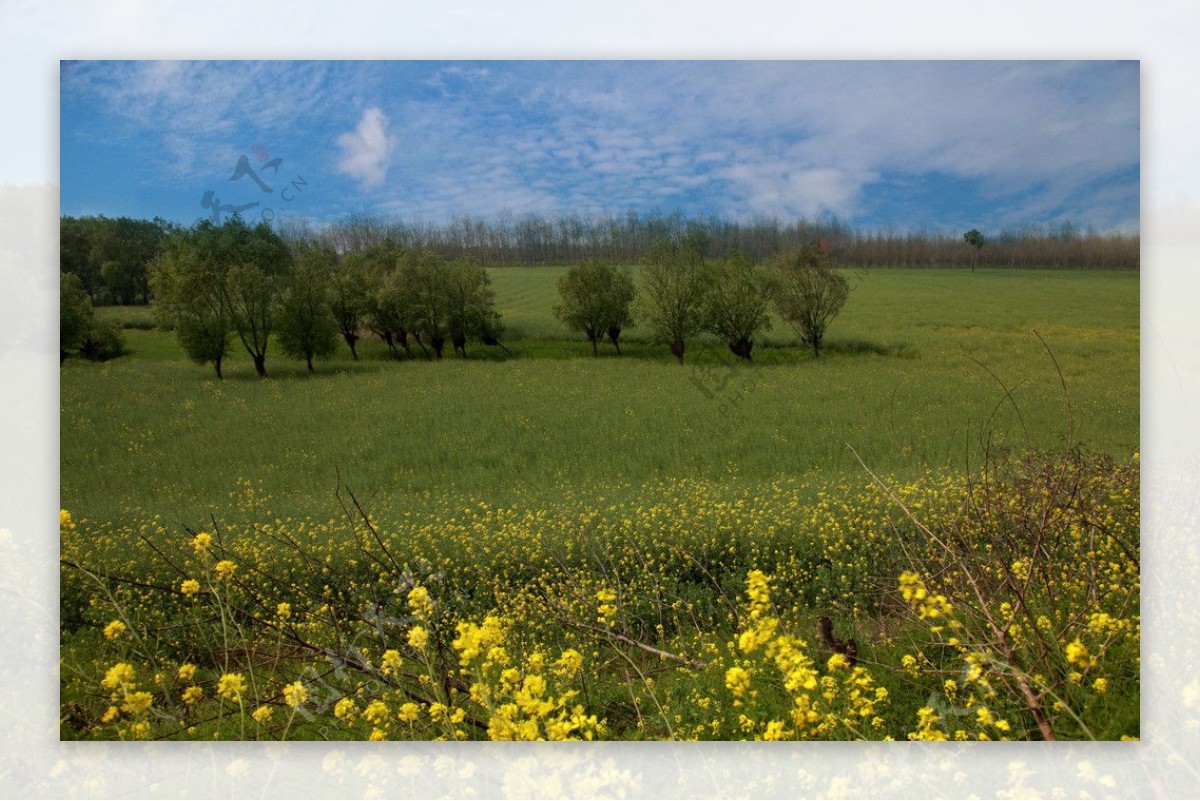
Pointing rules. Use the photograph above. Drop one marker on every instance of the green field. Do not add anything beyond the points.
(914, 377)
(582, 462)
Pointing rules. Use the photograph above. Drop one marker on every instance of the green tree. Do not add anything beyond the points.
(675, 281)
(809, 293)
(123, 250)
(977, 240)
(470, 303)
(738, 308)
(349, 301)
(430, 298)
(188, 283)
(213, 279)
(258, 260)
(596, 299)
(75, 316)
(305, 325)
(387, 304)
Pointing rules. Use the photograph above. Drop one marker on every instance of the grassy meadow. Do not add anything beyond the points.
(543, 544)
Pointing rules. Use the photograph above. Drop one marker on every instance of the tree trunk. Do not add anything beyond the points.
(260, 365)
(351, 341)
(308, 358)
(677, 349)
(217, 365)
(438, 344)
(614, 334)
(742, 348)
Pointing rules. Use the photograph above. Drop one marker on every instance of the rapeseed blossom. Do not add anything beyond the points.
(295, 694)
(231, 686)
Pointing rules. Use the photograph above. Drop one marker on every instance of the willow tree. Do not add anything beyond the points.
(809, 293)
(596, 300)
(738, 308)
(675, 282)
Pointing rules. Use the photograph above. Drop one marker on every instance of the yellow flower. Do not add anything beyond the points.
(295, 694)
(569, 664)
(774, 731)
(737, 680)
(376, 712)
(1100, 685)
(140, 730)
(110, 715)
(420, 603)
(64, 518)
(837, 661)
(408, 712)
(189, 587)
(192, 694)
(225, 569)
(187, 671)
(418, 637)
(136, 703)
(606, 610)
(202, 542)
(231, 686)
(345, 710)
(473, 640)
(283, 611)
(261, 715)
(114, 630)
(391, 661)
(377, 735)
(120, 674)
(1078, 654)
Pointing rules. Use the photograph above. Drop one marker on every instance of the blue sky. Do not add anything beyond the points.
(941, 145)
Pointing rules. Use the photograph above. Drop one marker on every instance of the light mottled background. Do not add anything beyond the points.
(35, 35)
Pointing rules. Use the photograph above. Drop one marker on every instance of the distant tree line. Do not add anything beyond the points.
(534, 239)
(111, 257)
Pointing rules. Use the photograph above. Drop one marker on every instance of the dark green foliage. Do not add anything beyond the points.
(675, 281)
(188, 283)
(75, 317)
(349, 301)
(305, 324)
(104, 341)
(738, 307)
(112, 257)
(470, 303)
(430, 301)
(386, 303)
(809, 293)
(213, 279)
(596, 299)
(78, 328)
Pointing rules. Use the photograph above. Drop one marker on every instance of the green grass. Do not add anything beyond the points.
(157, 432)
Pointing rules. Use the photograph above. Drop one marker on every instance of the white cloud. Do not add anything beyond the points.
(366, 152)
